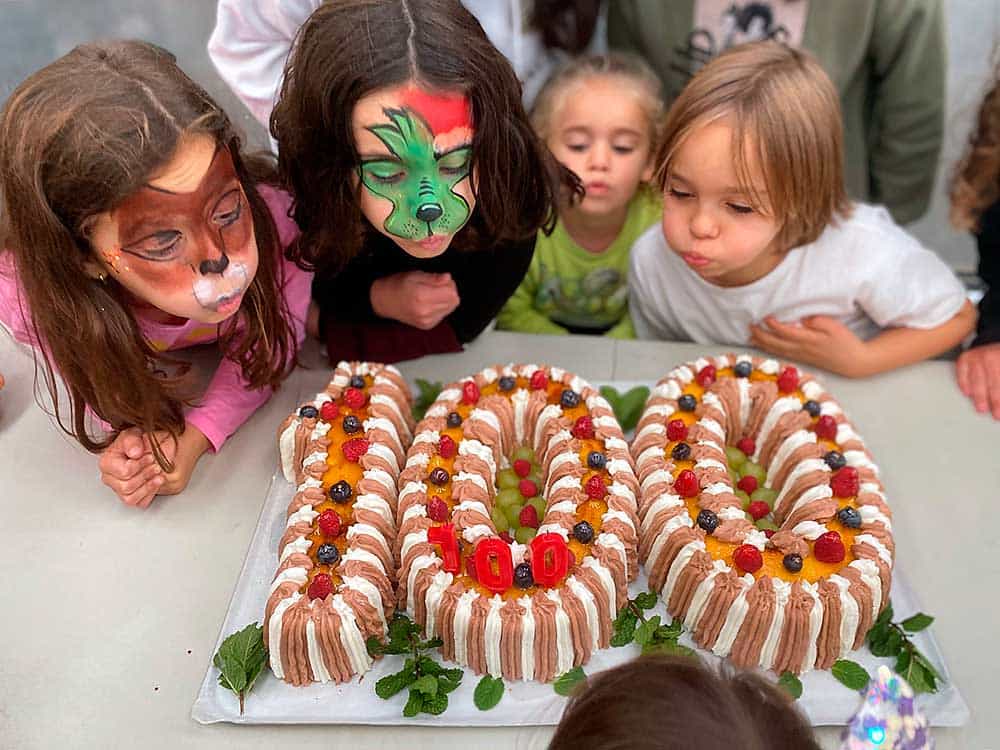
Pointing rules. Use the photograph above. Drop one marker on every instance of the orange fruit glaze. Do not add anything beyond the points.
(812, 569)
(338, 468)
(590, 510)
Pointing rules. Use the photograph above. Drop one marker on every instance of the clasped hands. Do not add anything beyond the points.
(129, 467)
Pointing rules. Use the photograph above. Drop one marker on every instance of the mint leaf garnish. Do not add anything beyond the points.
(429, 683)
(887, 638)
(488, 692)
(566, 683)
(428, 391)
(851, 674)
(627, 407)
(240, 659)
(918, 622)
(792, 684)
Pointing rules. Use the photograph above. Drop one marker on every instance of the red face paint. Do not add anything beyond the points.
(442, 112)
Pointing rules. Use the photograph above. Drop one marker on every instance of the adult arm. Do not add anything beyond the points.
(909, 61)
(250, 43)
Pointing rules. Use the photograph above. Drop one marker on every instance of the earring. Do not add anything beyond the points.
(102, 277)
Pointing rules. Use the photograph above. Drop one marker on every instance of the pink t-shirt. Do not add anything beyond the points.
(227, 401)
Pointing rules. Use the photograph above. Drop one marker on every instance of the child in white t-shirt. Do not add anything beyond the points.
(759, 244)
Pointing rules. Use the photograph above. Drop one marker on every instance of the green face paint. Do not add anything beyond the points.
(418, 182)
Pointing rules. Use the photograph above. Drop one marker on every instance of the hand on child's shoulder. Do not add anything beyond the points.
(978, 374)
(818, 340)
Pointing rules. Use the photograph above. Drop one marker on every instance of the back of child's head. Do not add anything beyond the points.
(76, 138)
(785, 117)
(350, 49)
(632, 73)
(678, 703)
(975, 182)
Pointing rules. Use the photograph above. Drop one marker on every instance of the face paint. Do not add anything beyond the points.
(422, 182)
(188, 233)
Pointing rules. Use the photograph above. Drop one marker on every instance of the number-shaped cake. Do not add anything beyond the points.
(763, 522)
(517, 522)
(334, 587)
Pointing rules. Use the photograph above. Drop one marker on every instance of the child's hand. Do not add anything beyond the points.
(817, 340)
(190, 447)
(978, 374)
(130, 470)
(416, 298)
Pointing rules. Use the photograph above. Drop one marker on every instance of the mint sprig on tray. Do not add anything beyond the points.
(626, 406)
(240, 658)
(631, 625)
(887, 638)
(429, 683)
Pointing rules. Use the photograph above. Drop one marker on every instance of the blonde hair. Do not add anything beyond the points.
(975, 183)
(612, 65)
(785, 117)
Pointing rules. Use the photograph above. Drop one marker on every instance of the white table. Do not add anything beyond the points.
(110, 614)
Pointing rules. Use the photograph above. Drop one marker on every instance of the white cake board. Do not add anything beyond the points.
(272, 701)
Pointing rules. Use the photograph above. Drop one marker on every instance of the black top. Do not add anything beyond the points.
(485, 280)
(988, 240)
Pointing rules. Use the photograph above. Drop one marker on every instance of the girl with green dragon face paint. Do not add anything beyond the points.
(419, 182)
(414, 166)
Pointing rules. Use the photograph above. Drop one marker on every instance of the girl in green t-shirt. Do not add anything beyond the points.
(598, 116)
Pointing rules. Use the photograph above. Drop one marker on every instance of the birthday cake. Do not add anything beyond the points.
(334, 586)
(763, 522)
(517, 522)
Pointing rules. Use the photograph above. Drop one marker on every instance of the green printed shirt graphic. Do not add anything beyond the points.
(568, 287)
(418, 181)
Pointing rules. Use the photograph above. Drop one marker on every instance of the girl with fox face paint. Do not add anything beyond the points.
(420, 193)
(146, 232)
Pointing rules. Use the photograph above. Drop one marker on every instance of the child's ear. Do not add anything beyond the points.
(647, 173)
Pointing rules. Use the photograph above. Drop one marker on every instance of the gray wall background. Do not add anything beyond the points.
(34, 32)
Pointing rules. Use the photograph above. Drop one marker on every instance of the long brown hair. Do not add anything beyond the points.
(677, 703)
(975, 183)
(76, 138)
(349, 49)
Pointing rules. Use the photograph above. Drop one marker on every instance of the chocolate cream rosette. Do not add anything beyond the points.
(517, 528)
(763, 522)
(334, 585)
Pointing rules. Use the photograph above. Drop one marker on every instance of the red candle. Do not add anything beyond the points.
(444, 535)
(499, 577)
(549, 559)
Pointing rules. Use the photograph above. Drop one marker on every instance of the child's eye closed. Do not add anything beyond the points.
(623, 149)
(158, 247)
(679, 194)
(228, 210)
(384, 172)
(455, 162)
(740, 208)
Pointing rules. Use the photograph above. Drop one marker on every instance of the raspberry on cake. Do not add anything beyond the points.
(334, 585)
(763, 524)
(520, 558)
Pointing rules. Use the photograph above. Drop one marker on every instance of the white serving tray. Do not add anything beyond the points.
(272, 701)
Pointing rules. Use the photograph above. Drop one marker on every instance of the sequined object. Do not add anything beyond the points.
(888, 718)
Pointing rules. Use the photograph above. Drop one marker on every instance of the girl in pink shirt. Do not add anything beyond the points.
(132, 226)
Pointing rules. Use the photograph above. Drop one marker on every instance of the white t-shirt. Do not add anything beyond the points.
(252, 38)
(864, 271)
